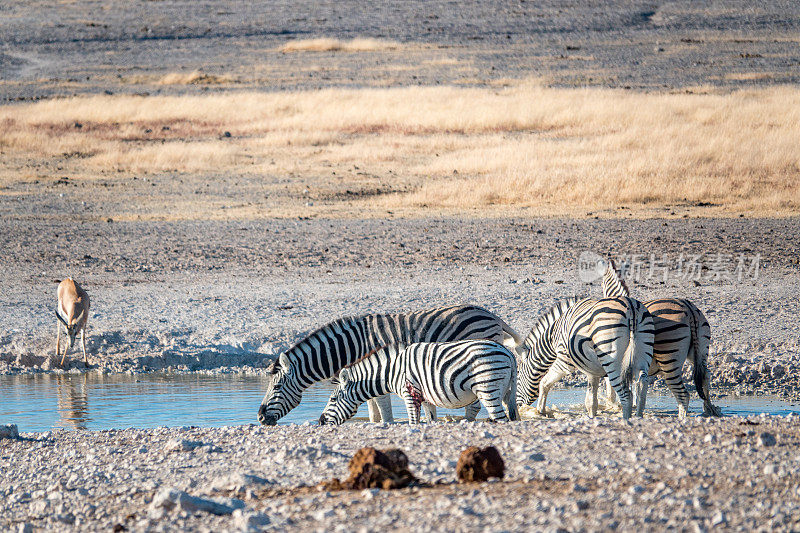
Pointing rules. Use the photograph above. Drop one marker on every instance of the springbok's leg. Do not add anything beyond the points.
(58, 338)
(83, 344)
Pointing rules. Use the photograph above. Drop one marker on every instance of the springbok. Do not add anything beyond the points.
(72, 312)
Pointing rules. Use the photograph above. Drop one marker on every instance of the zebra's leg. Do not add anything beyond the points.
(471, 411)
(493, 403)
(510, 401)
(553, 376)
(412, 407)
(640, 392)
(430, 411)
(591, 395)
(624, 394)
(372, 407)
(674, 379)
(380, 409)
(612, 402)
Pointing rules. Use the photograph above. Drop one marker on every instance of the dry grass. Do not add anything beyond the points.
(335, 45)
(196, 77)
(523, 146)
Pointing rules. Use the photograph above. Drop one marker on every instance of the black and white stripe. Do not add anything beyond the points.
(682, 333)
(449, 374)
(327, 350)
(601, 337)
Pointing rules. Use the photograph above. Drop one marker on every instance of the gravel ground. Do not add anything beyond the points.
(197, 296)
(731, 474)
(54, 49)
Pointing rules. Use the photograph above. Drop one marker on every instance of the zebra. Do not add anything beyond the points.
(601, 337)
(327, 350)
(444, 374)
(681, 333)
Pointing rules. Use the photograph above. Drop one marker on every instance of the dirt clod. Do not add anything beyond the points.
(479, 464)
(371, 468)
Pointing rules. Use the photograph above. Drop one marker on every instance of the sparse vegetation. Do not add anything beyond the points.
(336, 45)
(523, 146)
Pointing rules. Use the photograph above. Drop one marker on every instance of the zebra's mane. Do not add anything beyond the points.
(344, 323)
(613, 284)
(547, 318)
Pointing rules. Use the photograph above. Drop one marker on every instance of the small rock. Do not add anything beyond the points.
(718, 519)
(180, 445)
(771, 470)
(25, 528)
(536, 457)
(710, 439)
(766, 439)
(67, 518)
(250, 520)
(169, 499)
(239, 481)
(9, 431)
(581, 505)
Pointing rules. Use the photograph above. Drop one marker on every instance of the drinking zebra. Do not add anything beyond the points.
(681, 333)
(601, 337)
(327, 350)
(444, 374)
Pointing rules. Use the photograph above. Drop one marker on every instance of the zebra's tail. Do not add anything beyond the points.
(699, 345)
(511, 339)
(638, 354)
(626, 369)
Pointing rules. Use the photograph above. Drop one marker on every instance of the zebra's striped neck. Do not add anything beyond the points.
(540, 345)
(340, 343)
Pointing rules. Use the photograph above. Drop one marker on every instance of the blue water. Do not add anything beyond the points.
(41, 402)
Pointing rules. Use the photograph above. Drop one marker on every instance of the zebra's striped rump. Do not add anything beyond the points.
(327, 350)
(601, 337)
(450, 375)
(681, 333)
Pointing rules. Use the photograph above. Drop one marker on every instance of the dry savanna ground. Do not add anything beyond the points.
(519, 147)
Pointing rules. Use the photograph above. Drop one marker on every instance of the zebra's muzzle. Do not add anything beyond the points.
(265, 419)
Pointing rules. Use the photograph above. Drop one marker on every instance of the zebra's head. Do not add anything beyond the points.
(283, 393)
(527, 388)
(342, 404)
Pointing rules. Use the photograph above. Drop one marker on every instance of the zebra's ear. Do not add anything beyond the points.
(344, 375)
(283, 361)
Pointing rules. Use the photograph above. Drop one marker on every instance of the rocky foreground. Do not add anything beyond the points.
(653, 474)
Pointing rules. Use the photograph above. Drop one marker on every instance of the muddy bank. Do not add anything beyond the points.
(731, 473)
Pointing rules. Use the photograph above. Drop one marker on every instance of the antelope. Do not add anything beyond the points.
(72, 312)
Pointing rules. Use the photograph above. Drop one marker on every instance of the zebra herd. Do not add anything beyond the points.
(466, 356)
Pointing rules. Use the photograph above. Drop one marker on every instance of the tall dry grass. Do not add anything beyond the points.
(526, 145)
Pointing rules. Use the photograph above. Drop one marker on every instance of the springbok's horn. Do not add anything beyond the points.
(80, 316)
(59, 317)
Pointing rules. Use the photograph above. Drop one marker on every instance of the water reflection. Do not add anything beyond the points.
(73, 401)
